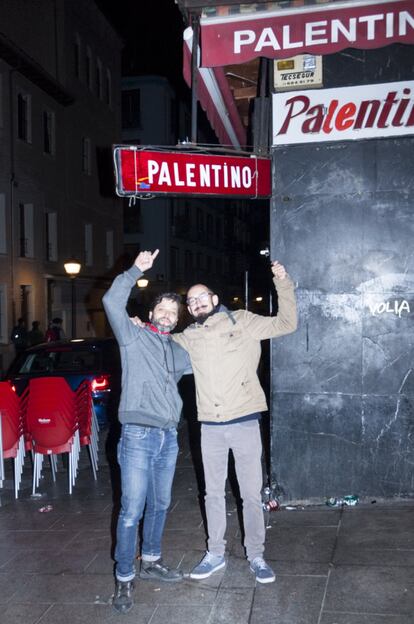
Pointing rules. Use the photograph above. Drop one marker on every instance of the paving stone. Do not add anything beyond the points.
(232, 606)
(95, 614)
(376, 589)
(361, 618)
(305, 544)
(18, 613)
(290, 600)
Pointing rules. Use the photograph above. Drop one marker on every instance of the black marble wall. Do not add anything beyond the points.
(342, 221)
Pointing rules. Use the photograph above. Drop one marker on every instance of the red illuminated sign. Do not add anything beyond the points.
(148, 172)
(313, 29)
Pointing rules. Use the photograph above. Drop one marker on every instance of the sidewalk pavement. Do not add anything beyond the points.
(334, 566)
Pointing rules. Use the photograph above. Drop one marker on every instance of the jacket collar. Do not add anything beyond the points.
(154, 329)
(215, 318)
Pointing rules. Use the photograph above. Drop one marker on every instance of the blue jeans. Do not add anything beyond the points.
(147, 457)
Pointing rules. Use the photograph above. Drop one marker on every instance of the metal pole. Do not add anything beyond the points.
(194, 77)
(73, 308)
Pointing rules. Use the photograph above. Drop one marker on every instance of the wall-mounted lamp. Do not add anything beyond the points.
(142, 282)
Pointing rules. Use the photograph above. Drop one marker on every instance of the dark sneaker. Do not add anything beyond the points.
(263, 572)
(158, 571)
(123, 601)
(208, 565)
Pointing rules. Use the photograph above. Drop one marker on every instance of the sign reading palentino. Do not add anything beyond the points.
(306, 29)
(363, 112)
(141, 171)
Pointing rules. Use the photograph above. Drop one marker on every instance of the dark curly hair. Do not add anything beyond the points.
(172, 296)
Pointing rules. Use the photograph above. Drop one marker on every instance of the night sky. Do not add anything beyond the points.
(152, 32)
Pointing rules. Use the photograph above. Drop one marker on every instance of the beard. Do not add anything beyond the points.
(203, 316)
(167, 328)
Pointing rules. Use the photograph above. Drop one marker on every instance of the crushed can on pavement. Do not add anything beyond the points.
(350, 500)
(270, 502)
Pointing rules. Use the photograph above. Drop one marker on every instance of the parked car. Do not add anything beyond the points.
(96, 359)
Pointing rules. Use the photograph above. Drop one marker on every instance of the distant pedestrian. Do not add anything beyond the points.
(35, 335)
(55, 330)
(19, 336)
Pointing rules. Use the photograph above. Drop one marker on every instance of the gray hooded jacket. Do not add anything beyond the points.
(152, 363)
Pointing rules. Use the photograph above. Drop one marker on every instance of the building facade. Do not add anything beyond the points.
(60, 71)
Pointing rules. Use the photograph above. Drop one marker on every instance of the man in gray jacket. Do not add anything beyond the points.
(149, 411)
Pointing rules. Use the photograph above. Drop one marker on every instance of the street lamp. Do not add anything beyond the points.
(72, 268)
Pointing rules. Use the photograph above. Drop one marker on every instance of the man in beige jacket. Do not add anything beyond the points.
(224, 349)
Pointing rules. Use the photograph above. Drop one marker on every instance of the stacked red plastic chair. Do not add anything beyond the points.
(11, 432)
(53, 425)
(88, 423)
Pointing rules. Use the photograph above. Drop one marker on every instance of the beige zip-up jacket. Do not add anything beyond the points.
(225, 352)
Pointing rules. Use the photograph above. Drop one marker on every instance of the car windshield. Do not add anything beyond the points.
(60, 360)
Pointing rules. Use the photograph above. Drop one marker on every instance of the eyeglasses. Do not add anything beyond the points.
(202, 298)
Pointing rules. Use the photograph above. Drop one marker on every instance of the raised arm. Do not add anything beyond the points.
(285, 321)
(116, 298)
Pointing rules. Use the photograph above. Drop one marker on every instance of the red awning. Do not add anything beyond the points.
(216, 99)
(317, 29)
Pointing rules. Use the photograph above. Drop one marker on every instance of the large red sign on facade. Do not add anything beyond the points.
(140, 171)
(316, 30)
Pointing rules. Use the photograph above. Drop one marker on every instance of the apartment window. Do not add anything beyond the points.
(3, 243)
(219, 266)
(218, 229)
(24, 124)
(109, 249)
(86, 155)
(98, 77)
(77, 57)
(200, 223)
(174, 262)
(209, 227)
(3, 315)
(49, 132)
(108, 88)
(187, 213)
(131, 108)
(132, 217)
(51, 237)
(209, 265)
(199, 261)
(26, 230)
(88, 244)
(188, 261)
(88, 68)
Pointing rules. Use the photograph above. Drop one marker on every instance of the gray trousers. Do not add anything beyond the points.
(245, 442)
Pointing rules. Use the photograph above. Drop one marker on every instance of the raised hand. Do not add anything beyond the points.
(278, 270)
(145, 259)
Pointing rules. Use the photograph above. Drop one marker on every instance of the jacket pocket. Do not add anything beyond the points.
(231, 340)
